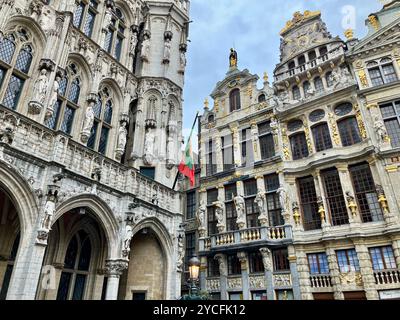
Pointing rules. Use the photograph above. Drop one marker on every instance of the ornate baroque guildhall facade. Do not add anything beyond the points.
(90, 135)
(299, 190)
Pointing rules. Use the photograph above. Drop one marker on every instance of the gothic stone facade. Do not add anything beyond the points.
(299, 192)
(91, 131)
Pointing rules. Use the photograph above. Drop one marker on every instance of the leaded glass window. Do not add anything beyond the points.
(266, 139)
(231, 215)
(391, 116)
(85, 16)
(309, 203)
(349, 131)
(273, 204)
(322, 137)
(252, 210)
(299, 146)
(319, 85)
(115, 34)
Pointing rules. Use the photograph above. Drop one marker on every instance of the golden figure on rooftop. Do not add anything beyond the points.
(233, 58)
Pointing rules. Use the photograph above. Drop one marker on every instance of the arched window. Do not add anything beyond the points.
(382, 71)
(85, 15)
(296, 93)
(312, 56)
(349, 131)
(16, 55)
(322, 138)
(261, 98)
(115, 34)
(211, 118)
(67, 101)
(103, 111)
(234, 100)
(319, 85)
(299, 146)
(76, 268)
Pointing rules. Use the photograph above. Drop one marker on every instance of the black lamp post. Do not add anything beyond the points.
(194, 270)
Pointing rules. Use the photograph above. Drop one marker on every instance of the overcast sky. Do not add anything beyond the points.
(253, 26)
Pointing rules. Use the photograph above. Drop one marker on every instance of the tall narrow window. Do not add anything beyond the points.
(256, 262)
(328, 78)
(347, 260)
(212, 267)
(319, 85)
(299, 146)
(296, 93)
(76, 268)
(230, 209)
(16, 55)
(252, 211)
(322, 137)
(115, 34)
(309, 203)
(234, 100)
(318, 263)
(190, 205)
(334, 196)
(190, 248)
(67, 101)
(382, 71)
(391, 116)
(85, 16)
(233, 265)
(103, 112)
(382, 258)
(227, 152)
(212, 196)
(211, 165)
(281, 261)
(366, 194)
(247, 148)
(267, 144)
(273, 204)
(349, 131)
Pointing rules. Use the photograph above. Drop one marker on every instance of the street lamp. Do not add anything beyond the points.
(194, 269)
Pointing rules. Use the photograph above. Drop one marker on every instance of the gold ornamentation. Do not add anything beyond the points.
(373, 20)
(392, 168)
(349, 34)
(321, 210)
(206, 103)
(351, 204)
(351, 278)
(334, 128)
(250, 91)
(296, 213)
(299, 18)
(285, 145)
(233, 59)
(382, 199)
(372, 106)
(363, 78)
(216, 105)
(266, 78)
(308, 137)
(360, 122)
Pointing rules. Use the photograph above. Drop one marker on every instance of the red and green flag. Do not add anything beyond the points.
(186, 166)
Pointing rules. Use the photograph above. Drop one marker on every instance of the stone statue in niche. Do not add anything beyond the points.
(284, 99)
(335, 78)
(148, 157)
(266, 258)
(167, 50)
(182, 61)
(181, 253)
(127, 241)
(39, 92)
(107, 19)
(346, 75)
(133, 44)
(240, 210)
(223, 270)
(145, 52)
(260, 201)
(310, 92)
(151, 112)
(89, 119)
(49, 210)
(53, 97)
(201, 215)
(122, 133)
(219, 214)
(282, 198)
(381, 131)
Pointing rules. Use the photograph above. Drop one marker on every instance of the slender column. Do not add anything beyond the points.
(366, 270)
(223, 271)
(335, 274)
(236, 150)
(256, 142)
(221, 201)
(322, 207)
(203, 158)
(267, 262)
(295, 275)
(218, 154)
(245, 275)
(114, 269)
(263, 217)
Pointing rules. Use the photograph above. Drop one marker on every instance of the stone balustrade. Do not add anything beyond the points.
(321, 281)
(384, 277)
(267, 235)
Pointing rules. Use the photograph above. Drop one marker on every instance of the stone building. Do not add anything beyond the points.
(299, 181)
(90, 136)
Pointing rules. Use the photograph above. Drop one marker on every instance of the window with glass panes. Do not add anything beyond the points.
(227, 152)
(85, 15)
(234, 100)
(212, 196)
(103, 112)
(233, 265)
(256, 262)
(318, 263)
(266, 139)
(306, 87)
(280, 258)
(230, 209)
(16, 55)
(347, 260)
(75, 271)
(382, 258)
(328, 78)
(212, 267)
(391, 117)
(211, 165)
(334, 197)
(190, 205)
(252, 212)
(319, 85)
(67, 100)
(115, 34)
(299, 146)
(382, 71)
(309, 203)
(296, 93)
(247, 147)
(322, 137)
(365, 193)
(349, 131)
(273, 204)
(190, 248)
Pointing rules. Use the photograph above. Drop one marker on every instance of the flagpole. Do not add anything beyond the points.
(190, 136)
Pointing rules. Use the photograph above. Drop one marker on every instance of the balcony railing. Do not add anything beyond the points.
(309, 65)
(321, 281)
(391, 276)
(246, 236)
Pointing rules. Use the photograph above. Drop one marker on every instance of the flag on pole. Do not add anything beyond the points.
(186, 167)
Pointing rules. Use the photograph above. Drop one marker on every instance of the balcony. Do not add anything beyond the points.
(387, 278)
(310, 65)
(252, 236)
(321, 281)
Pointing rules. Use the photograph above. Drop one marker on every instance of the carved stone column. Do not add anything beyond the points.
(268, 268)
(335, 274)
(236, 150)
(256, 142)
(5, 10)
(203, 199)
(245, 274)
(221, 198)
(366, 270)
(114, 269)
(304, 275)
(218, 154)
(263, 217)
(223, 271)
(295, 276)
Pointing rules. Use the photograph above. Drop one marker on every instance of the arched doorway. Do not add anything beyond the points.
(73, 267)
(9, 241)
(146, 277)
